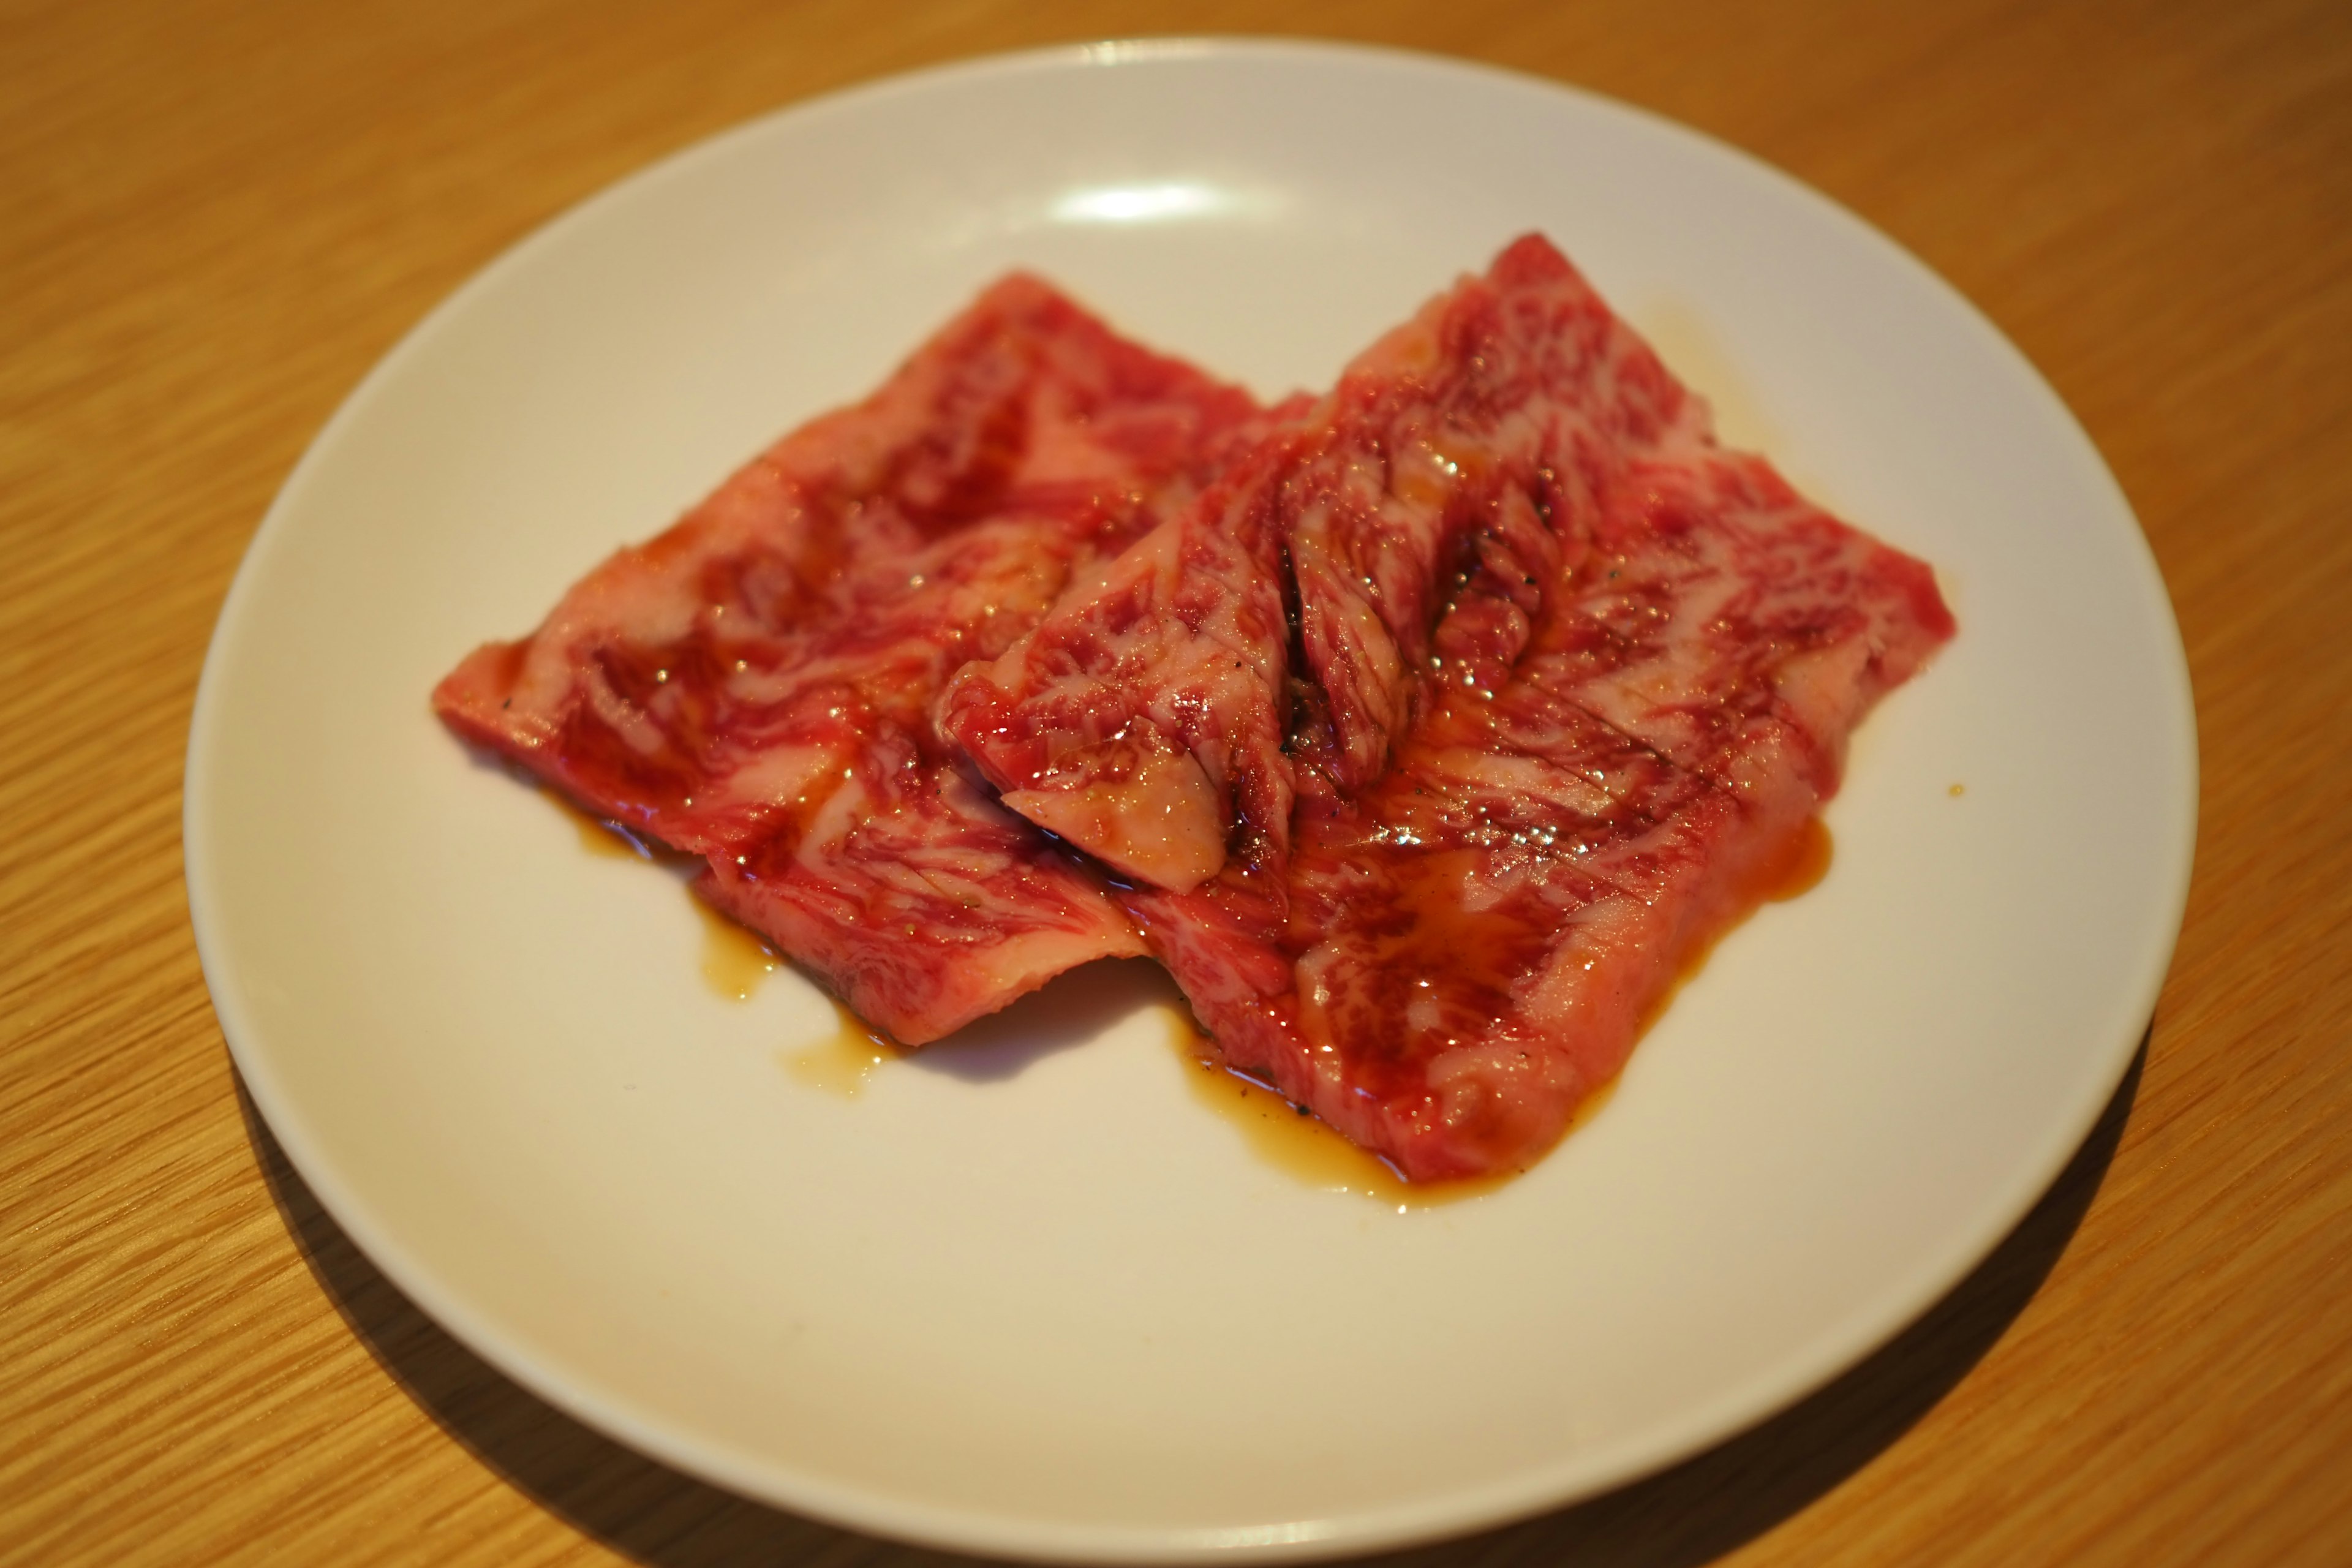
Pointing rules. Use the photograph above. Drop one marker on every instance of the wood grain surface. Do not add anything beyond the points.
(216, 215)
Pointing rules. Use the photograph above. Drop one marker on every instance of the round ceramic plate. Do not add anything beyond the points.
(1025, 1293)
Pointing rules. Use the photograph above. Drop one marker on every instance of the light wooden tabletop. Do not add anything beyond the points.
(216, 215)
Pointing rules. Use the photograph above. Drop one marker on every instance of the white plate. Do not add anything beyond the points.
(1030, 1296)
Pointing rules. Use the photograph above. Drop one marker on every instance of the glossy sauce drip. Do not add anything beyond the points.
(843, 1062)
(734, 958)
(1305, 1147)
(608, 839)
(1801, 867)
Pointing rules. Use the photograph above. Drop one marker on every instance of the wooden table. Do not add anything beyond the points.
(215, 216)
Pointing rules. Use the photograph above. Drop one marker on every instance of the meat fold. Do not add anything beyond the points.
(1143, 719)
(754, 686)
(1555, 685)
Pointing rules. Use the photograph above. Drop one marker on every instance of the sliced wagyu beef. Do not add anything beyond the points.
(754, 686)
(1557, 682)
(1146, 720)
(1425, 731)
(1723, 619)
(1142, 720)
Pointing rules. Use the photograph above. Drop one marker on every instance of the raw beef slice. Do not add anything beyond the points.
(1558, 682)
(753, 687)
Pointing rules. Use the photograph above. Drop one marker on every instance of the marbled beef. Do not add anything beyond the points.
(1557, 682)
(753, 687)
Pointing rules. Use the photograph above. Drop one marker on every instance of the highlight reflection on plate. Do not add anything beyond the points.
(1034, 1299)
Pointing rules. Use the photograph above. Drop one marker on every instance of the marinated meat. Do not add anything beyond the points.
(754, 686)
(1424, 729)
(1562, 681)
(1142, 720)
(1740, 630)
(1463, 455)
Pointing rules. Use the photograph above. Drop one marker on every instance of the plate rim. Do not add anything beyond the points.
(1527, 1493)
